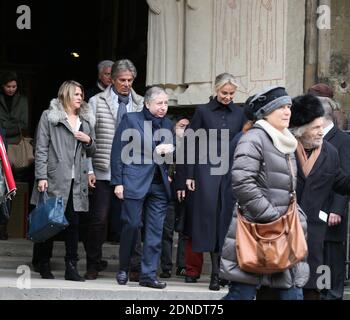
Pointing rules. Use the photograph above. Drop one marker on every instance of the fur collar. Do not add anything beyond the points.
(57, 113)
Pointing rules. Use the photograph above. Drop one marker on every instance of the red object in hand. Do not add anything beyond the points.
(6, 167)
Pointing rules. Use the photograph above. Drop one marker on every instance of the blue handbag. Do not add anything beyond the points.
(47, 219)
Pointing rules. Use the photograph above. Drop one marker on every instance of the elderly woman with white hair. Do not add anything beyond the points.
(319, 176)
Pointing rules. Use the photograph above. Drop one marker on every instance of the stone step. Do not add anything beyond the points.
(16, 252)
(24, 248)
(104, 288)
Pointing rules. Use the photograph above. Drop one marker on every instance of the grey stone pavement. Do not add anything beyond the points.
(18, 282)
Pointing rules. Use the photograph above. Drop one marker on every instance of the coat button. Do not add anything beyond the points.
(84, 190)
(84, 171)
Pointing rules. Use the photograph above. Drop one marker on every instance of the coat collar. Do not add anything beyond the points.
(331, 133)
(57, 113)
(215, 105)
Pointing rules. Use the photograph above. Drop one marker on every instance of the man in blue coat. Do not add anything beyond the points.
(142, 148)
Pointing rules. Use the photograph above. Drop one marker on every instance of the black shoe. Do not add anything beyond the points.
(191, 279)
(152, 283)
(134, 276)
(181, 272)
(102, 265)
(72, 272)
(214, 282)
(223, 283)
(91, 275)
(122, 277)
(45, 271)
(165, 274)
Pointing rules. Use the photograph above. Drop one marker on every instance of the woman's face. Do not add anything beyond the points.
(226, 93)
(10, 88)
(77, 99)
(280, 117)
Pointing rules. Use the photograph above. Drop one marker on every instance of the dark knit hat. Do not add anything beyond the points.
(266, 101)
(321, 90)
(305, 109)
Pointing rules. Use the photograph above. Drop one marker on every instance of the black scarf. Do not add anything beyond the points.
(157, 123)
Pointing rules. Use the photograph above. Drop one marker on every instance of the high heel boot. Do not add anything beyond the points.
(72, 272)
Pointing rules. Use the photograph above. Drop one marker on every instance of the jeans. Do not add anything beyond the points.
(242, 291)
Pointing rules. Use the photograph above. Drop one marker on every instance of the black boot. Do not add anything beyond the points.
(214, 282)
(72, 272)
(45, 271)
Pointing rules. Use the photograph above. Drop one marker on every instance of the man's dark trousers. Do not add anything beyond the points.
(153, 207)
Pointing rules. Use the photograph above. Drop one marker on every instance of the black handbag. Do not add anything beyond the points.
(47, 219)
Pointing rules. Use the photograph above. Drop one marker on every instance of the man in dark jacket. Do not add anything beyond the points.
(319, 175)
(142, 182)
(337, 206)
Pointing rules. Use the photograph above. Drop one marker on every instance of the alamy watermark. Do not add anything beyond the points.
(202, 147)
(24, 280)
(24, 21)
(324, 20)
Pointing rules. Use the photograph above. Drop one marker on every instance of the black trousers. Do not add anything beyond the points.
(166, 258)
(335, 257)
(42, 252)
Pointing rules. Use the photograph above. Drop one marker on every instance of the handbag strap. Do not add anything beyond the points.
(292, 189)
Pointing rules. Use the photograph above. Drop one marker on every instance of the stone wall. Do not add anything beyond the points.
(340, 51)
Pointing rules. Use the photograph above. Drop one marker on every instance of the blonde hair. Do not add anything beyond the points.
(67, 91)
(223, 79)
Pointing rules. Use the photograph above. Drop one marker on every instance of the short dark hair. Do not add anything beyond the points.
(7, 77)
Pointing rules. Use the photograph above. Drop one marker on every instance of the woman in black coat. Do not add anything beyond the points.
(212, 200)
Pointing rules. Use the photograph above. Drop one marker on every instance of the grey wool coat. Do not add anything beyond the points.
(56, 152)
(262, 183)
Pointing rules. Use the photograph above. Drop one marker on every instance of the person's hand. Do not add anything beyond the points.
(190, 184)
(334, 219)
(181, 194)
(92, 180)
(42, 185)
(154, 6)
(164, 148)
(83, 137)
(119, 192)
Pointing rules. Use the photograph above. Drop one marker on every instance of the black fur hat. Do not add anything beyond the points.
(305, 109)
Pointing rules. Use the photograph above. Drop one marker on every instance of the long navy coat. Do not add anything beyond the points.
(313, 192)
(211, 204)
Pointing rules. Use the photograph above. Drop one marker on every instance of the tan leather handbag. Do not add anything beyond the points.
(21, 155)
(270, 247)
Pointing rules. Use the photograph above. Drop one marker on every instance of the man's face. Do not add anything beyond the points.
(181, 126)
(123, 82)
(313, 136)
(105, 76)
(158, 106)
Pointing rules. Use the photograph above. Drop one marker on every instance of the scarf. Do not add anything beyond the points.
(123, 102)
(307, 163)
(283, 141)
(157, 123)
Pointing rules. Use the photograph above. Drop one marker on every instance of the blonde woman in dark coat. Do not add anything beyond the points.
(65, 138)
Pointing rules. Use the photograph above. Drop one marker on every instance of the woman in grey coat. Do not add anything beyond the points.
(263, 180)
(64, 140)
